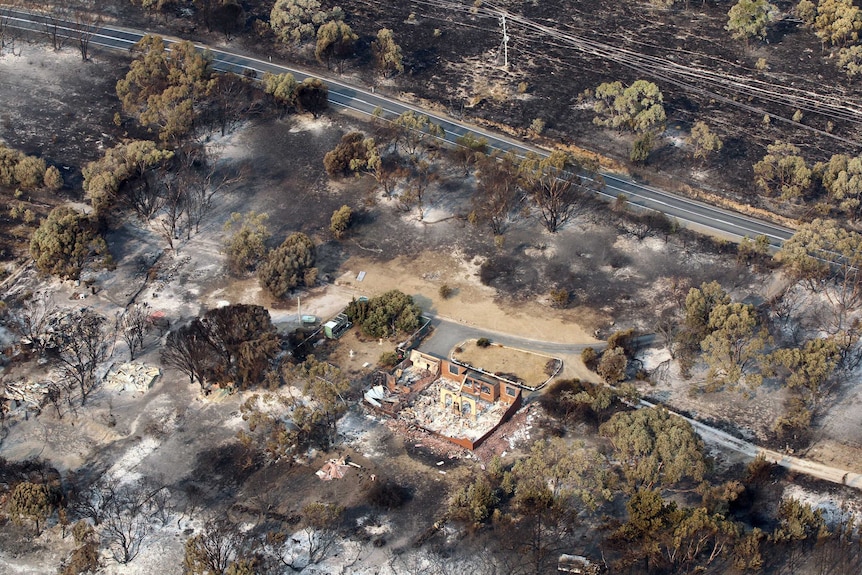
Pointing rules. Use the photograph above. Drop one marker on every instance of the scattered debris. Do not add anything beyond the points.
(132, 377)
(333, 469)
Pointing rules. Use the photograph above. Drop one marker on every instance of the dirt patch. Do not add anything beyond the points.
(529, 368)
(471, 303)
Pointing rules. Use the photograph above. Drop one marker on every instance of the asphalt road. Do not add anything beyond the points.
(690, 213)
(449, 332)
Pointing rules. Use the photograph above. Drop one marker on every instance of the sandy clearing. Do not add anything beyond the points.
(471, 303)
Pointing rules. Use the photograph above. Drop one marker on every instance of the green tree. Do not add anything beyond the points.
(289, 265)
(638, 107)
(282, 87)
(64, 241)
(655, 448)
(340, 221)
(31, 502)
(748, 19)
(26, 172)
(165, 89)
(244, 341)
(413, 130)
(385, 315)
(126, 161)
(838, 21)
(53, 180)
(335, 39)
(749, 249)
(29, 172)
(245, 247)
(353, 154)
(783, 172)
(703, 141)
(324, 385)
(296, 20)
(387, 54)
(312, 96)
(842, 179)
(641, 148)
(550, 487)
(807, 370)
(850, 60)
(473, 502)
(699, 303)
(799, 527)
(470, 149)
(806, 10)
(734, 347)
(612, 366)
(558, 185)
(9, 158)
(827, 258)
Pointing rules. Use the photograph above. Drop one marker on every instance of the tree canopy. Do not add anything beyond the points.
(783, 172)
(296, 20)
(163, 89)
(64, 241)
(387, 54)
(385, 315)
(128, 160)
(289, 265)
(638, 108)
(245, 247)
(748, 19)
(335, 40)
(655, 448)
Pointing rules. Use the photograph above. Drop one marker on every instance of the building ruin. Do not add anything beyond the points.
(450, 400)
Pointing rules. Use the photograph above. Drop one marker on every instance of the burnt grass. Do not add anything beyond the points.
(287, 181)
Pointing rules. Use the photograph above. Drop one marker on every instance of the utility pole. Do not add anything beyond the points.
(505, 41)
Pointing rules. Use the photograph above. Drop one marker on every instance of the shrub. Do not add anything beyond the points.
(84, 559)
(246, 246)
(388, 359)
(559, 297)
(552, 366)
(340, 221)
(473, 503)
(446, 291)
(589, 357)
(483, 342)
(623, 339)
(537, 126)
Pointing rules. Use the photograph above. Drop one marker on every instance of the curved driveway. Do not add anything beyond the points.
(692, 213)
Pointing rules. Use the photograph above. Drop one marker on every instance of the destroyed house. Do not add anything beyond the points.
(451, 400)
